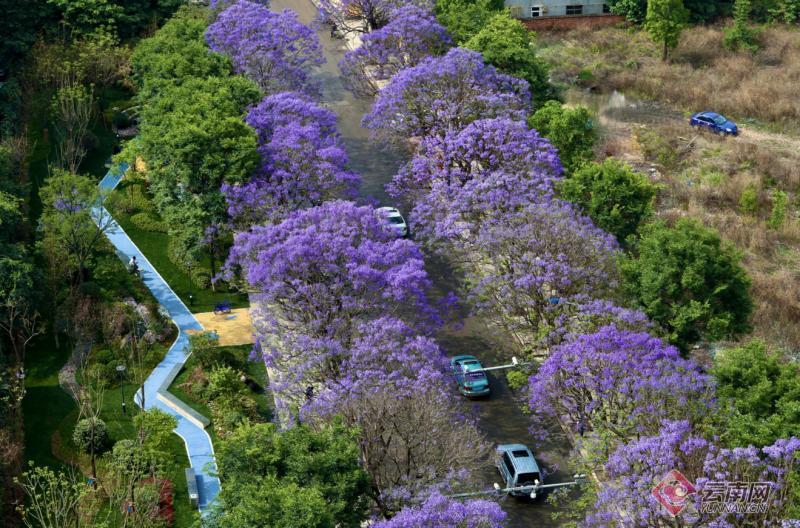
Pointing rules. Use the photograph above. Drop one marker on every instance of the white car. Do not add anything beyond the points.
(394, 220)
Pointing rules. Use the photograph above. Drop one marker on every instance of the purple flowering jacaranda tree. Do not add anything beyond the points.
(302, 162)
(411, 35)
(273, 49)
(362, 16)
(621, 382)
(442, 512)
(442, 95)
(517, 261)
(324, 270)
(634, 469)
(391, 385)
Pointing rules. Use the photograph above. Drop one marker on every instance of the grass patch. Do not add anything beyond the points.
(750, 87)
(154, 245)
(45, 404)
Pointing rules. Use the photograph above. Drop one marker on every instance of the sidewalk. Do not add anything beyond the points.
(190, 425)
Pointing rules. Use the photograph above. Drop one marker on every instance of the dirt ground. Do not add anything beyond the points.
(235, 328)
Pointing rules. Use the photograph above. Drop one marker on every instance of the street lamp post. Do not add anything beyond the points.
(121, 370)
(532, 489)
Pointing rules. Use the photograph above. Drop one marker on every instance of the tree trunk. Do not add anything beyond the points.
(665, 54)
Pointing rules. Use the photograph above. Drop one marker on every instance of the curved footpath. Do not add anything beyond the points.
(191, 425)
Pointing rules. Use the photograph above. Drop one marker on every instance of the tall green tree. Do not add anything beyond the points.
(665, 21)
(507, 44)
(689, 281)
(323, 463)
(175, 53)
(465, 18)
(570, 130)
(68, 200)
(760, 395)
(615, 197)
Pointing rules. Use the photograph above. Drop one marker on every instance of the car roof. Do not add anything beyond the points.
(389, 210)
(524, 464)
(464, 357)
(710, 114)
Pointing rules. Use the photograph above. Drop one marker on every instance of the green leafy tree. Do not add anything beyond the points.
(633, 10)
(177, 52)
(86, 16)
(465, 18)
(689, 281)
(762, 393)
(53, 499)
(66, 219)
(269, 502)
(323, 462)
(787, 11)
(570, 130)
(665, 21)
(778, 214)
(741, 35)
(615, 197)
(507, 44)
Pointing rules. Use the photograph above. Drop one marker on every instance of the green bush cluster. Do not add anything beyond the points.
(148, 221)
(89, 433)
(748, 201)
(778, 214)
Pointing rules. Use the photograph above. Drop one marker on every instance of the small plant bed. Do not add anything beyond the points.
(130, 205)
(222, 383)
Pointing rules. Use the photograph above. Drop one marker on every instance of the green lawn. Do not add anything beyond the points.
(45, 404)
(154, 246)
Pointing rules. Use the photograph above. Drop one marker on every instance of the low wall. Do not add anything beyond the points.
(571, 22)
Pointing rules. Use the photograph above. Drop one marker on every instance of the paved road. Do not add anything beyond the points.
(198, 443)
(501, 417)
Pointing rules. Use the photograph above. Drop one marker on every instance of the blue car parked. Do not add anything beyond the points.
(469, 374)
(714, 122)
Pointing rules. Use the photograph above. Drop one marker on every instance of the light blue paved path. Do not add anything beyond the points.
(198, 443)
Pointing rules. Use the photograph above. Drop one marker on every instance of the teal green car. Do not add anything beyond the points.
(469, 374)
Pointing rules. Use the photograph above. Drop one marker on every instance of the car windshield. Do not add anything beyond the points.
(719, 120)
(519, 453)
(395, 220)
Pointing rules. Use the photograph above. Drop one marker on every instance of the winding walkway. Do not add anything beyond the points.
(191, 425)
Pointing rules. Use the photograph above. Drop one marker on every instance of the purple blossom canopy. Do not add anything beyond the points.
(391, 384)
(442, 95)
(619, 381)
(480, 149)
(635, 467)
(302, 162)
(517, 261)
(411, 35)
(442, 512)
(326, 268)
(274, 49)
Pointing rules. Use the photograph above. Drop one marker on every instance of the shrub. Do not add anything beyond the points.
(778, 214)
(90, 432)
(224, 383)
(148, 221)
(615, 198)
(748, 201)
(205, 348)
(657, 148)
(201, 277)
